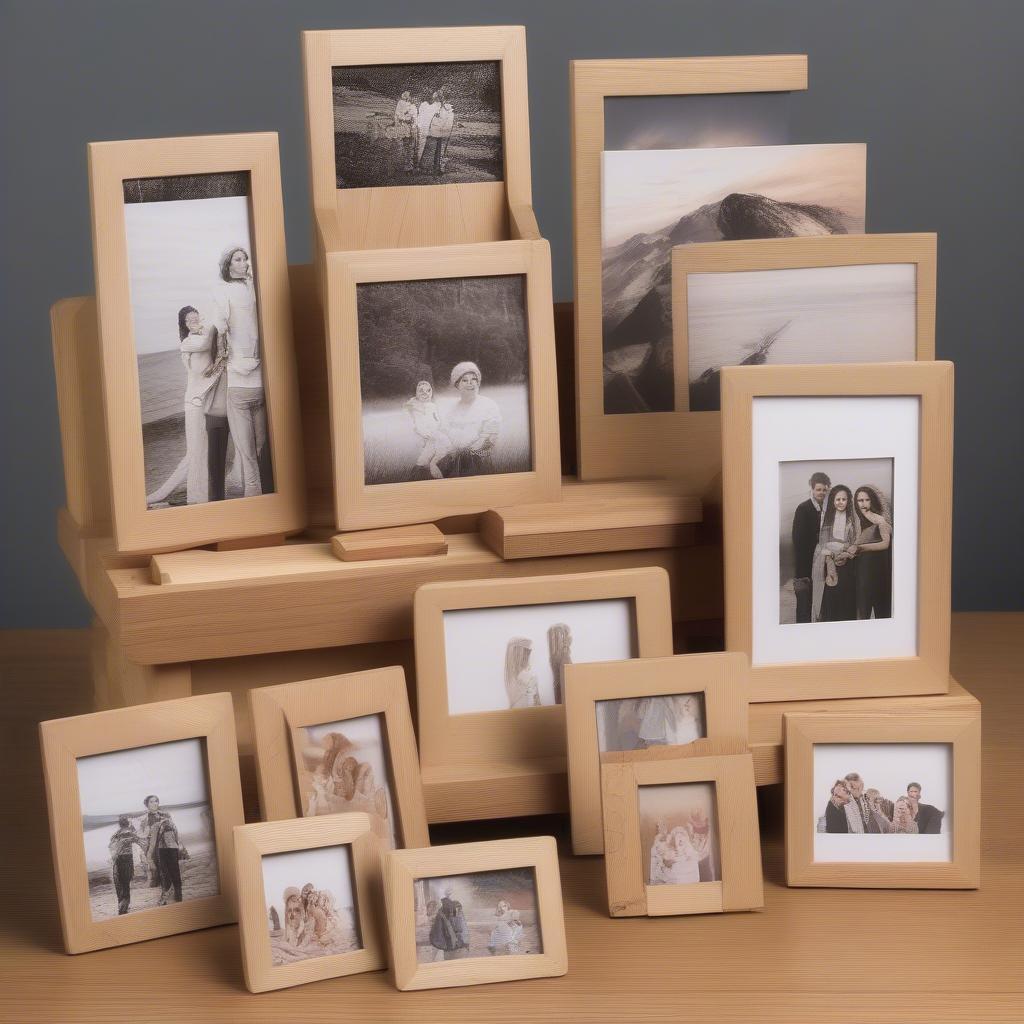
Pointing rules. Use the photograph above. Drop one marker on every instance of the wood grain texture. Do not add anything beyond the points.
(396, 542)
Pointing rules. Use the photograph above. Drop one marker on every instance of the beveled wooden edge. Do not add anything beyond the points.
(253, 843)
(489, 738)
(720, 677)
(209, 717)
(960, 727)
(136, 528)
(275, 710)
(402, 868)
(739, 841)
(608, 446)
(932, 382)
(396, 542)
(362, 506)
(792, 254)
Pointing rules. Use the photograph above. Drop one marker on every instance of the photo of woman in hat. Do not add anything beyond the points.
(472, 425)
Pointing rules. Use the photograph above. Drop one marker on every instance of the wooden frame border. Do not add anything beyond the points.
(360, 506)
(209, 717)
(277, 710)
(959, 728)
(635, 445)
(721, 678)
(136, 528)
(253, 843)
(404, 867)
(932, 382)
(741, 887)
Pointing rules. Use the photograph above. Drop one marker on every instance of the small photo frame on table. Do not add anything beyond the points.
(475, 913)
(884, 800)
(310, 901)
(681, 835)
(837, 527)
(200, 393)
(142, 801)
(648, 708)
(341, 744)
(441, 366)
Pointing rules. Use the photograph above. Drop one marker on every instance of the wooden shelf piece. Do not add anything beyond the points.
(397, 542)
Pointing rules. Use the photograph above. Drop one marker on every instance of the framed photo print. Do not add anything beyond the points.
(690, 704)
(837, 525)
(142, 801)
(475, 913)
(681, 835)
(884, 801)
(341, 744)
(442, 379)
(310, 902)
(198, 370)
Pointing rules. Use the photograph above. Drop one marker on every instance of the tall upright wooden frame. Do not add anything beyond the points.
(631, 445)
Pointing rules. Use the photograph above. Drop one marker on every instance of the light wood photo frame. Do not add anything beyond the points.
(403, 869)
(360, 505)
(253, 843)
(625, 445)
(138, 529)
(927, 582)
(958, 730)
(281, 713)
(735, 831)
(720, 679)
(209, 719)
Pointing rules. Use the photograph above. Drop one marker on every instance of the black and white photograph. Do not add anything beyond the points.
(500, 659)
(660, 720)
(196, 325)
(654, 199)
(444, 371)
(310, 904)
(835, 540)
(147, 826)
(679, 833)
(482, 914)
(849, 314)
(417, 124)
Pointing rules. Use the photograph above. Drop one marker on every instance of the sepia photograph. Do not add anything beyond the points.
(345, 766)
(444, 372)
(310, 904)
(417, 124)
(654, 199)
(147, 826)
(196, 326)
(847, 314)
(679, 833)
(483, 914)
(636, 723)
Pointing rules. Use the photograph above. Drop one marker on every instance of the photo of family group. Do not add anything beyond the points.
(196, 327)
(636, 723)
(679, 833)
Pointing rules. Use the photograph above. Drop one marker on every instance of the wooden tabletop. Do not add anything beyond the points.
(810, 955)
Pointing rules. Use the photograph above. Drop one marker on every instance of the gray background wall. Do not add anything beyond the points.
(933, 86)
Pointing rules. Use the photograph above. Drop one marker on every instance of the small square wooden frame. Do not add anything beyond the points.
(361, 506)
(209, 717)
(253, 843)
(961, 729)
(402, 868)
(741, 887)
(136, 528)
(279, 711)
(720, 678)
(928, 671)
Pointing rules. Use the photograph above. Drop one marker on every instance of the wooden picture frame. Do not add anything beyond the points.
(277, 712)
(253, 843)
(926, 671)
(404, 868)
(625, 445)
(359, 505)
(138, 529)
(721, 680)
(209, 718)
(959, 729)
(741, 886)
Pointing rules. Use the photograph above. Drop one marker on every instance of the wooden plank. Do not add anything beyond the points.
(396, 542)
